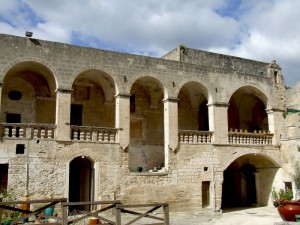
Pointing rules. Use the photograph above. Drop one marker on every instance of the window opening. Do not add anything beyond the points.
(132, 103)
(3, 176)
(14, 95)
(288, 186)
(20, 149)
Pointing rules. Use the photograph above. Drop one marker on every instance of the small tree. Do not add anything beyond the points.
(296, 177)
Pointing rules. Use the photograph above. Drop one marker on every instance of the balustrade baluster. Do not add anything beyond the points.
(100, 136)
(81, 135)
(112, 136)
(105, 136)
(88, 135)
(13, 132)
(75, 135)
(21, 132)
(49, 134)
(6, 132)
(43, 133)
(35, 133)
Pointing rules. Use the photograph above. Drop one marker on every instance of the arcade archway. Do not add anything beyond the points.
(248, 181)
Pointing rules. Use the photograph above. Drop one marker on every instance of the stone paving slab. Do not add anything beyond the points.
(250, 216)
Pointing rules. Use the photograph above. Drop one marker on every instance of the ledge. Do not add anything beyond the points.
(148, 173)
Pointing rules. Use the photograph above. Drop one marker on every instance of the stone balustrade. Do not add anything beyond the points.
(245, 138)
(27, 131)
(195, 137)
(94, 134)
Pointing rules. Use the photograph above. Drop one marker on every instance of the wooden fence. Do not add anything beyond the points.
(95, 210)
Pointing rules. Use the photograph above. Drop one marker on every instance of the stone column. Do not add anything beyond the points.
(170, 126)
(63, 114)
(123, 118)
(217, 194)
(218, 122)
(1, 116)
(276, 126)
(257, 189)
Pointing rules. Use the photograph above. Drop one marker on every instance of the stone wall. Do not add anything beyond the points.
(70, 72)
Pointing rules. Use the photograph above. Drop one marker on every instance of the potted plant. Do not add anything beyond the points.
(288, 208)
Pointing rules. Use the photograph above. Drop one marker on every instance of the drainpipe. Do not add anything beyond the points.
(213, 183)
(27, 171)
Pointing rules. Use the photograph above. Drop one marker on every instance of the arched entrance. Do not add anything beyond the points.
(248, 181)
(80, 180)
(239, 186)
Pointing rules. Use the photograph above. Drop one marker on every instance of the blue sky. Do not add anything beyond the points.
(255, 29)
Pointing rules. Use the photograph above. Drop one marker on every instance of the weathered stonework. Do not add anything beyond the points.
(204, 127)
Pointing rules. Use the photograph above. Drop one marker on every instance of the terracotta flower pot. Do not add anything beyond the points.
(288, 209)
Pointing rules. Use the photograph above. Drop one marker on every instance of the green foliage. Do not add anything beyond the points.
(8, 215)
(296, 175)
(280, 196)
(286, 195)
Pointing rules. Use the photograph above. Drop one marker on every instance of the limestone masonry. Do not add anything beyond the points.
(192, 128)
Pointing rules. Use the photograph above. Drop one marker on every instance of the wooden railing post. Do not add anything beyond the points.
(166, 214)
(64, 213)
(118, 214)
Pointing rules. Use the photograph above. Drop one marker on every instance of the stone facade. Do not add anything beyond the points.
(205, 130)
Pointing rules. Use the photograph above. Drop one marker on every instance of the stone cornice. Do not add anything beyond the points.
(219, 104)
(175, 100)
(122, 95)
(62, 90)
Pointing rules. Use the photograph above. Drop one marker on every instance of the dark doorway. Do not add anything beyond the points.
(13, 118)
(203, 117)
(80, 182)
(3, 177)
(205, 194)
(239, 188)
(76, 114)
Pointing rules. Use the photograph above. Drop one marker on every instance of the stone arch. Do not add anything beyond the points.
(200, 84)
(258, 92)
(138, 77)
(146, 147)
(81, 180)
(247, 110)
(93, 99)
(35, 84)
(248, 180)
(102, 77)
(46, 69)
(192, 107)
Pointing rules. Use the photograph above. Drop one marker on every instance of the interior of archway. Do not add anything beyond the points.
(28, 94)
(92, 104)
(146, 148)
(80, 181)
(248, 181)
(192, 108)
(247, 112)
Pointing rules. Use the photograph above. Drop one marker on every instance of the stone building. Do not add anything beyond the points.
(192, 128)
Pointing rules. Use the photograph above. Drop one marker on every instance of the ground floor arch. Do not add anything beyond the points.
(248, 181)
(81, 180)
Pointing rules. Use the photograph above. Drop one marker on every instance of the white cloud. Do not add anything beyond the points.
(265, 30)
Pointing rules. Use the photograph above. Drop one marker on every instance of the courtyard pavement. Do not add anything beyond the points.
(235, 216)
(239, 216)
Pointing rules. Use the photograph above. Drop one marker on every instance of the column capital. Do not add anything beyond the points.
(174, 100)
(219, 104)
(123, 95)
(64, 90)
(272, 110)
